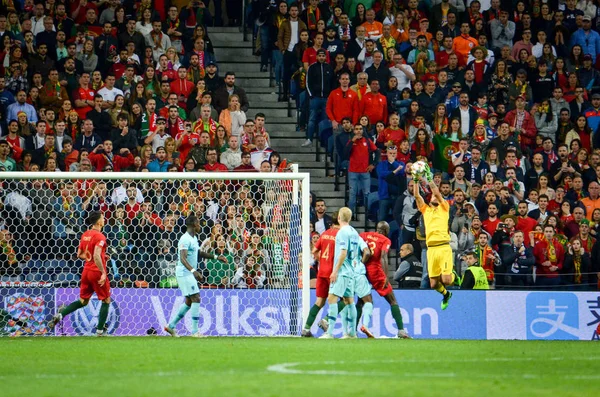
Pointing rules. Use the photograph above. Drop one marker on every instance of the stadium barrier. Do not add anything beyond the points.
(526, 315)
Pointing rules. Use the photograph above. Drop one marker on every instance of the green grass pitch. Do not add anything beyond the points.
(161, 366)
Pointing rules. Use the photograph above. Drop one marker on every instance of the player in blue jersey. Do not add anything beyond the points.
(350, 250)
(188, 275)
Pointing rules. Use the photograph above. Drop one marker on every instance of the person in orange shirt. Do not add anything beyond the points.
(424, 29)
(592, 202)
(464, 43)
(400, 28)
(374, 28)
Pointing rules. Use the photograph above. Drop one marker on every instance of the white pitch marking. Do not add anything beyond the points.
(290, 368)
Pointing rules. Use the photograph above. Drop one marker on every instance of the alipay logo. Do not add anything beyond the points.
(552, 315)
(85, 320)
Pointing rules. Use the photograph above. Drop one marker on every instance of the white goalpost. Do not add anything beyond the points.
(259, 221)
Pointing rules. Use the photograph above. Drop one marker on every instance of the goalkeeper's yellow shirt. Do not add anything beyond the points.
(436, 223)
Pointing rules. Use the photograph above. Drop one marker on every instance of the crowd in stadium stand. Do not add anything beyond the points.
(500, 97)
(111, 86)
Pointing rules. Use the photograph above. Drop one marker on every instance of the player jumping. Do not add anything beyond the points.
(437, 238)
(377, 269)
(348, 248)
(92, 249)
(188, 276)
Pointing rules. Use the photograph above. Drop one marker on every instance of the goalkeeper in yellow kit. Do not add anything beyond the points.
(436, 215)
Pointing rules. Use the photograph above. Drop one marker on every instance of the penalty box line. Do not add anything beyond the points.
(292, 368)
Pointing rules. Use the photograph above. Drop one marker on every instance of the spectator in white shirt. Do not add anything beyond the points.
(109, 92)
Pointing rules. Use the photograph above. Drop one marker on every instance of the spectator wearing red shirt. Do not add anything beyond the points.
(521, 124)
(118, 68)
(549, 256)
(182, 87)
(491, 223)
(374, 105)
(360, 151)
(524, 222)
(83, 97)
(106, 158)
(342, 102)
(175, 124)
(310, 54)
(212, 164)
(392, 135)
(186, 141)
(441, 57)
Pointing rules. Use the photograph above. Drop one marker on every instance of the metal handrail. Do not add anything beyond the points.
(243, 27)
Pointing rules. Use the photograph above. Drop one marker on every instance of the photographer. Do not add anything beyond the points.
(503, 237)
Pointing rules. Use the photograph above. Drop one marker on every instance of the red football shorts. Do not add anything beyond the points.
(89, 285)
(379, 282)
(322, 287)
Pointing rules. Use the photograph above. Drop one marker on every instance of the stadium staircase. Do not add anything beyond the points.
(235, 54)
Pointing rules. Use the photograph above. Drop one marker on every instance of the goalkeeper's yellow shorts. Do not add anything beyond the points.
(439, 260)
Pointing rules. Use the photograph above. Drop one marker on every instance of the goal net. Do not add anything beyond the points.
(258, 221)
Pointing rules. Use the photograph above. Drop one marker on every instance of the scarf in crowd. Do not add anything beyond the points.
(60, 20)
(587, 244)
(195, 74)
(577, 265)
(386, 44)
(313, 16)
(551, 250)
(486, 263)
(157, 39)
(210, 127)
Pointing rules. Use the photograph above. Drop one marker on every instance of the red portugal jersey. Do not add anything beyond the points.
(378, 244)
(326, 244)
(89, 241)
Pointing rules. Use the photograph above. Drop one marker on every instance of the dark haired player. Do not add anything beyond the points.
(92, 249)
(188, 275)
(377, 267)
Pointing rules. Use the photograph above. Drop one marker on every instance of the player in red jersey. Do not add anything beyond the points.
(92, 249)
(324, 249)
(377, 268)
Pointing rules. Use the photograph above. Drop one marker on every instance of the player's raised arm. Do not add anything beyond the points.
(417, 194)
